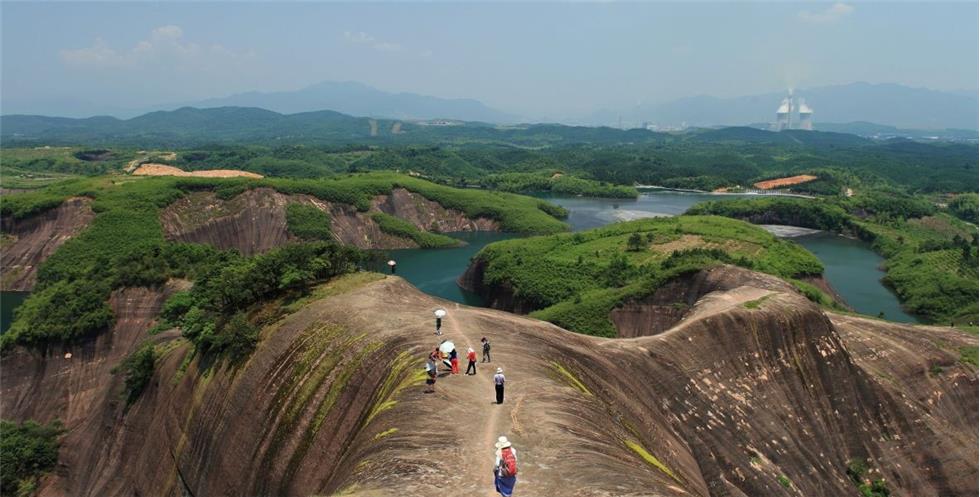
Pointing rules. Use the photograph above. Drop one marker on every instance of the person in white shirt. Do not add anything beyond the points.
(498, 385)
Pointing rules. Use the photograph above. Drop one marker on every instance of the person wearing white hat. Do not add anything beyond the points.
(498, 384)
(505, 467)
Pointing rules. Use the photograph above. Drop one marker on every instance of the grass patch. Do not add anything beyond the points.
(306, 222)
(857, 471)
(650, 459)
(755, 304)
(969, 355)
(570, 378)
(340, 285)
(403, 229)
(401, 375)
(387, 433)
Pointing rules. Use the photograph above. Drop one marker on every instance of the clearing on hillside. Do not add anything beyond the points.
(788, 181)
(165, 170)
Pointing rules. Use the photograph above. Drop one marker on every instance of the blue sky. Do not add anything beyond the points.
(544, 59)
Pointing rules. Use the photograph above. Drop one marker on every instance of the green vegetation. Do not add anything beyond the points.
(138, 371)
(808, 213)
(315, 143)
(124, 245)
(970, 355)
(570, 378)
(964, 207)
(213, 314)
(784, 481)
(306, 222)
(650, 459)
(757, 303)
(404, 229)
(387, 433)
(857, 471)
(556, 182)
(931, 257)
(575, 280)
(29, 450)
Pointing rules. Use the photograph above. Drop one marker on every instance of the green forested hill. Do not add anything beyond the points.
(319, 143)
(575, 279)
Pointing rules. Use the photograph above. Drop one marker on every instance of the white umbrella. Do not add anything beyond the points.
(447, 347)
(391, 262)
(440, 313)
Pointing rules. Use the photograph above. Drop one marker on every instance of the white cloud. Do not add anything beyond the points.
(164, 45)
(359, 37)
(362, 38)
(830, 14)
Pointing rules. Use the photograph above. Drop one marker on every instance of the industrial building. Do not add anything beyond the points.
(793, 113)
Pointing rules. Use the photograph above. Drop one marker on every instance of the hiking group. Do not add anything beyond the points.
(505, 464)
(446, 353)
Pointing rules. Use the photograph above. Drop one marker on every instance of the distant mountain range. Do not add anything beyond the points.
(887, 105)
(189, 126)
(358, 99)
(884, 104)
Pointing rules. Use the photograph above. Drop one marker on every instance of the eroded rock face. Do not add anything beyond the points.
(252, 222)
(725, 402)
(80, 390)
(29, 242)
(255, 221)
(428, 215)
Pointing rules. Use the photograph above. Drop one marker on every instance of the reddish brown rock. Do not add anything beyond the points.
(29, 242)
(725, 402)
(255, 221)
(428, 215)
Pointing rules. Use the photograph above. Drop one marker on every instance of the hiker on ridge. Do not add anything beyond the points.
(498, 385)
(505, 467)
(486, 349)
(454, 360)
(471, 357)
(430, 370)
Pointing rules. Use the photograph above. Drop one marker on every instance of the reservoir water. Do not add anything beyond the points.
(851, 267)
(8, 302)
(434, 271)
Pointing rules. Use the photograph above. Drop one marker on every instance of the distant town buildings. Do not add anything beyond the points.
(793, 113)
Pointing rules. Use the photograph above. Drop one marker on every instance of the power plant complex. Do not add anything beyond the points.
(793, 113)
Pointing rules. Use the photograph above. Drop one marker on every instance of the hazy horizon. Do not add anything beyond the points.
(539, 61)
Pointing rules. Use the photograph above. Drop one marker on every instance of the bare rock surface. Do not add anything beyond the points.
(428, 215)
(29, 242)
(723, 402)
(255, 220)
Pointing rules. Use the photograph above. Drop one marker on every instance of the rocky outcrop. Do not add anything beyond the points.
(29, 242)
(252, 222)
(494, 296)
(824, 286)
(772, 398)
(255, 221)
(428, 215)
(76, 385)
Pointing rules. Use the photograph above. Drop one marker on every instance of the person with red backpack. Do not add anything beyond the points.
(505, 467)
